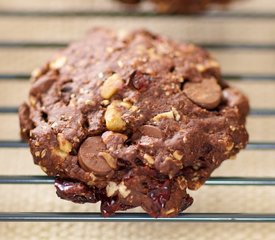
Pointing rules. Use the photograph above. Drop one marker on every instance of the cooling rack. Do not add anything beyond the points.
(13, 77)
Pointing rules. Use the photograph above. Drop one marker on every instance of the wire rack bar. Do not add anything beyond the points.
(12, 144)
(132, 217)
(259, 146)
(228, 77)
(213, 181)
(253, 112)
(217, 46)
(250, 146)
(92, 13)
(15, 76)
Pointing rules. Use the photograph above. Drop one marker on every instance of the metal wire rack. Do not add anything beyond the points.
(125, 217)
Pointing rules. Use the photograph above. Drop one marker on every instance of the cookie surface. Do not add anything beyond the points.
(132, 120)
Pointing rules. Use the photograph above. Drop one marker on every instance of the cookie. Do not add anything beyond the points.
(132, 121)
(180, 6)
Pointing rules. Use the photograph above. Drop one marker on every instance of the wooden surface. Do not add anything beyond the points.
(253, 39)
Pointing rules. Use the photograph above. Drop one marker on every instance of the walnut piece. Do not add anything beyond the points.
(112, 162)
(149, 158)
(177, 155)
(64, 144)
(111, 85)
(160, 116)
(113, 119)
(58, 62)
(111, 189)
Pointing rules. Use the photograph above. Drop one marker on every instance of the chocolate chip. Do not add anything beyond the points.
(172, 69)
(206, 94)
(151, 131)
(89, 158)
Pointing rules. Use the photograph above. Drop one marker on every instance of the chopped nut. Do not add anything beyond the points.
(170, 211)
(112, 162)
(176, 113)
(89, 102)
(184, 139)
(37, 144)
(105, 102)
(54, 125)
(200, 67)
(158, 117)
(32, 101)
(207, 65)
(111, 86)
(196, 185)
(196, 166)
(100, 75)
(120, 63)
(123, 190)
(232, 128)
(37, 154)
(109, 49)
(181, 79)
(113, 119)
(175, 161)
(43, 153)
(90, 183)
(125, 104)
(111, 189)
(195, 178)
(36, 73)
(108, 136)
(229, 147)
(121, 34)
(239, 146)
(93, 178)
(133, 108)
(182, 183)
(43, 169)
(153, 54)
(58, 152)
(149, 158)
(213, 63)
(178, 155)
(64, 144)
(58, 63)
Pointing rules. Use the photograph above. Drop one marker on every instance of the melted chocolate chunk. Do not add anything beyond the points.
(89, 156)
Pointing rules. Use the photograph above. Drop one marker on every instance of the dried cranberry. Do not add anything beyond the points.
(161, 194)
(77, 192)
(139, 80)
(109, 206)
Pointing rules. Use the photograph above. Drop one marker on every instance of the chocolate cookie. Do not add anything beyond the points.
(132, 121)
(180, 6)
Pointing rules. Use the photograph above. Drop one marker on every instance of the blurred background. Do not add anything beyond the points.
(241, 37)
